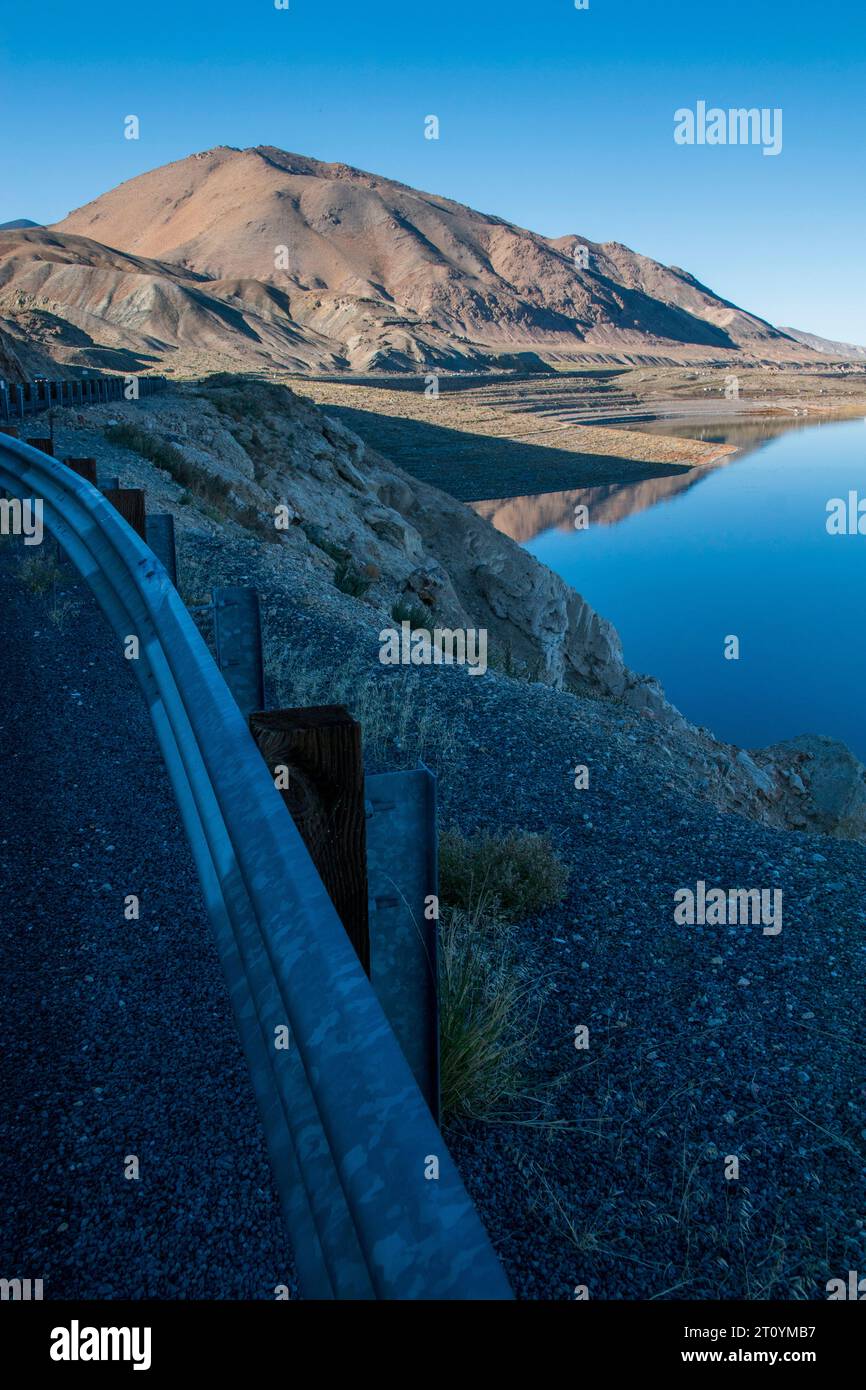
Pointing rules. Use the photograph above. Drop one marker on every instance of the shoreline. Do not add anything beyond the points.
(499, 440)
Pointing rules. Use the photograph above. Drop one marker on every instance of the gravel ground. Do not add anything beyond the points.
(705, 1042)
(117, 1036)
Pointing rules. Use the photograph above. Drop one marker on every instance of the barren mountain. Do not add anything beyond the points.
(285, 262)
(826, 345)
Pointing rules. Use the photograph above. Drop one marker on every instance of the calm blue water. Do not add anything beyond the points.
(743, 550)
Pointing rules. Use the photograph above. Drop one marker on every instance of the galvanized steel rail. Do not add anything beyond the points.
(18, 400)
(352, 1143)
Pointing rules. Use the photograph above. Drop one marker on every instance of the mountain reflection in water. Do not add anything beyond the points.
(740, 547)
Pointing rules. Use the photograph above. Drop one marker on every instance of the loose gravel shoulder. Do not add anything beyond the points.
(118, 1040)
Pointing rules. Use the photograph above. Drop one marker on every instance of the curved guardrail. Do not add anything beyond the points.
(20, 399)
(353, 1146)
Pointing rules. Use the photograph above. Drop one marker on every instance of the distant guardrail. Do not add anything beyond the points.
(18, 400)
(372, 1201)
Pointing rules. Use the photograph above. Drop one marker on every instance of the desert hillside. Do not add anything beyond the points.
(281, 262)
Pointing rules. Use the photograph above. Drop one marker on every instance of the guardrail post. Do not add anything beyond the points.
(19, 398)
(238, 639)
(160, 538)
(85, 468)
(402, 868)
(315, 759)
(129, 501)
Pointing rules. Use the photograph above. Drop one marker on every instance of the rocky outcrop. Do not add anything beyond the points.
(821, 783)
(20, 360)
(10, 367)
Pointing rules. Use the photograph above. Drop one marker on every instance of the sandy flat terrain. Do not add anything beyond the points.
(501, 438)
(493, 441)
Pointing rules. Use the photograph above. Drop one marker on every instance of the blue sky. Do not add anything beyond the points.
(557, 119)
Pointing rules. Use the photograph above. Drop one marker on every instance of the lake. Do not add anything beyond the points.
(742, 549)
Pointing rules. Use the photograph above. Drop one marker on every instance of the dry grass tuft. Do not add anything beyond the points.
(399, 724)
(39, 572)
(483, 1040)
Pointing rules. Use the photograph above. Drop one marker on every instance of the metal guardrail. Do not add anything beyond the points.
(18, 400)
(353, 1147)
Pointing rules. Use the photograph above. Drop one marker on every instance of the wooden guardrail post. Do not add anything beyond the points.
(314, 756)
(129, 501)
(84, 467)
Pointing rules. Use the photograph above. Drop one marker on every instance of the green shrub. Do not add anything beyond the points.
(404, 612)
(520, 872)
(349, 581)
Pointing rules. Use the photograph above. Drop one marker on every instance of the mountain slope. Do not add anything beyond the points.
(826, 345)
(89, 305)
(321, 266)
